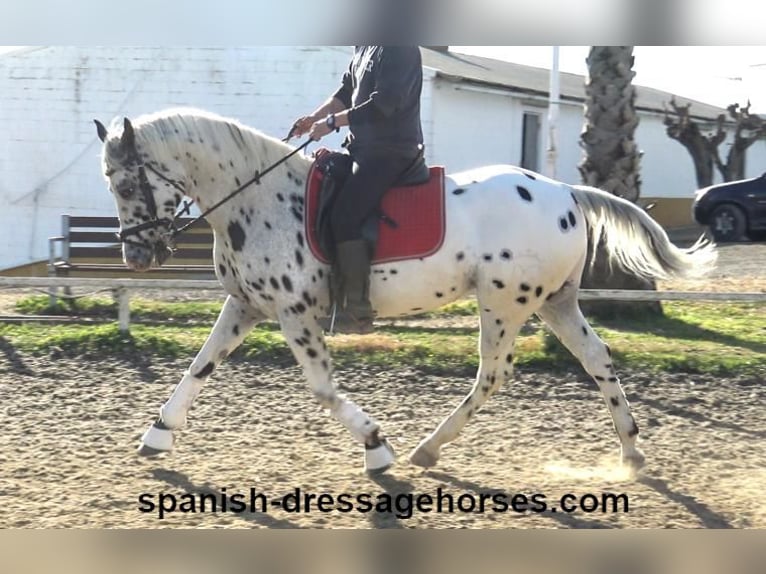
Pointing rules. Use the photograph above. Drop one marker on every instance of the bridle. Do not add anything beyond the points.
(166, 245)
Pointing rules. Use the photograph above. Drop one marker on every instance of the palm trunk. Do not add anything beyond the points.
(612, 163)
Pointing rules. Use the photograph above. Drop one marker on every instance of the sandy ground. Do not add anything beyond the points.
(69, 427)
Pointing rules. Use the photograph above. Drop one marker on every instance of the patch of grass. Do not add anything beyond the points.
(691, 337)
(140, 309)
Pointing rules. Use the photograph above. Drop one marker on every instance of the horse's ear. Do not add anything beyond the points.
(128, 139)
(100, 130)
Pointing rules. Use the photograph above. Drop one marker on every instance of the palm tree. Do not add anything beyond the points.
(612, 160)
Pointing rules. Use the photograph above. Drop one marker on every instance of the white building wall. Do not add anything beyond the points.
(473, 128)
(49, 151)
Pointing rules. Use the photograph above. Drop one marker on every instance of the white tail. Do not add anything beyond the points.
(637, 242)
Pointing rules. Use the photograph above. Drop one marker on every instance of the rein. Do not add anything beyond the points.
(164, 251)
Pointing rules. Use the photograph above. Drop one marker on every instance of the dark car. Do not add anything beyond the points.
(734, 210)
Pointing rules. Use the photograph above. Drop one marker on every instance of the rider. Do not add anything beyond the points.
(379, 101)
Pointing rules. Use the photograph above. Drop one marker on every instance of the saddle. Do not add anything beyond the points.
(409, 222)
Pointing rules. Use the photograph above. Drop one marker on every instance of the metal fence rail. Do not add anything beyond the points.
(122, 288)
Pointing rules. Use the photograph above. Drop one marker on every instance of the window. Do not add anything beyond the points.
(530, 142)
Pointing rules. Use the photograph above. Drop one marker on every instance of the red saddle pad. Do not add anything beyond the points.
(418, 211)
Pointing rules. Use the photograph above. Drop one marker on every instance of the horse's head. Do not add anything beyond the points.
(146, 199)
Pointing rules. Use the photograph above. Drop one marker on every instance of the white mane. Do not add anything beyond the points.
(175, 127)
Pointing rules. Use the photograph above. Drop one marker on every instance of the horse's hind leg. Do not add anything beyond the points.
(496, 345)
(563, 315)
(232, 326)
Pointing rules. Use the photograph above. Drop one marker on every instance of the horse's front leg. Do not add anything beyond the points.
(232, 326)
(306, 340)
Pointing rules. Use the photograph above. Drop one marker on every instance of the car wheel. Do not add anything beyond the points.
(728, 223)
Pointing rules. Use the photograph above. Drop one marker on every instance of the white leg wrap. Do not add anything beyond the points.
(158, 439)
(359, 423)
(379, 458)
(173, 412)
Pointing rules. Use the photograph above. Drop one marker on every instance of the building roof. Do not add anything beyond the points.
(535, 81)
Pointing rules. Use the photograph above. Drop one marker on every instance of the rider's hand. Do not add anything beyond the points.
(319, 130)
(302, 125)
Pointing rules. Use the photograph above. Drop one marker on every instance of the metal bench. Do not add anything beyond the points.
(88, 248)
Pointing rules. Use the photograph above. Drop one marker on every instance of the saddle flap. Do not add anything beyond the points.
(416, 215)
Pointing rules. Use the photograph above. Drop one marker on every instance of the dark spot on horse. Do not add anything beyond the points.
(222, 269)
(509, 358)
(300, 308)
(439, 294)
(325, 365)
(299, 237)
(584, 330)
(274, 283)
(608, 350)
(615, 401)
(288, 285)
(499, 284)
(524, 193)
(572, 220)
(280, 197)
(633, 431)
(235, 330)
(524, 287)
(205, 371)
(485, 389)
(458, 191)
(307, 298)
(298, 258)
(522, 300)
(538, 291)
(487, 257)
(530, 176)
(393, 272)
(320, 273)
(460, 256)
(612, 379)
(300, 341)
(416, 309)
(563, 224)
(502, 333)
(599, 378)
(498, 321)
(267, 260)
(505, 254)
(267, 224)
(237, 235)
(311, 353)
(297, 214)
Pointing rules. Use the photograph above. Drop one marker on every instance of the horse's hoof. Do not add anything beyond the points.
(635, 461)
(155, 441)
(422, 457)
(379, 459)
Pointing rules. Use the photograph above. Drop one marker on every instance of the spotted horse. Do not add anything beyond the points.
(515, 238)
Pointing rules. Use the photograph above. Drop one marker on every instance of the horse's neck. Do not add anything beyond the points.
(215, 169)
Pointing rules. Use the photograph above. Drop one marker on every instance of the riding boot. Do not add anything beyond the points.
(354, 312)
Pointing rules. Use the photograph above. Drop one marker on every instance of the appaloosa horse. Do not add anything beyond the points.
(516, 238)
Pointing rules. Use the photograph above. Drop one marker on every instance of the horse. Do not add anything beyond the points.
(517, 239)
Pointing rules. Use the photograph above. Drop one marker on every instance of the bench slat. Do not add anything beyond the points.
(108, 237)
(102, 222)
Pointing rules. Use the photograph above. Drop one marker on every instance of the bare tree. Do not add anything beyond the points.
(704, 147)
